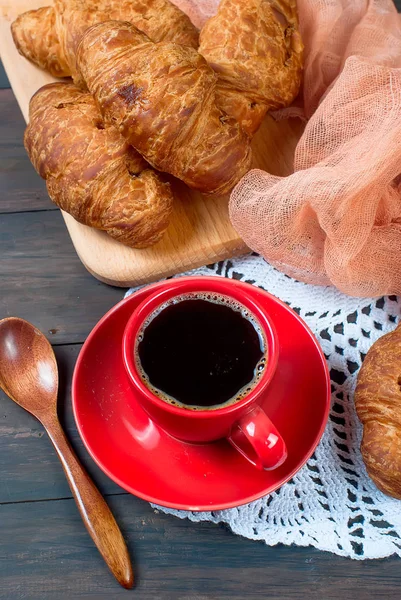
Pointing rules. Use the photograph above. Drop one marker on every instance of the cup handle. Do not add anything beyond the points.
(258, 440)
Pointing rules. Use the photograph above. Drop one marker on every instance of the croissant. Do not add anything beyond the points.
(35, 36)
(49, 36)
(90, 170)
(161, 97)
(255, 48)
(378, 404)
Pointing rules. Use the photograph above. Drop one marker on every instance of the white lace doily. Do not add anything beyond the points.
(331, 503)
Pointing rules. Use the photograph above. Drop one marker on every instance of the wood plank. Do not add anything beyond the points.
(21, 188)
(4, 83)
(43, 281)
(45, 547)
(200, 231)
(29, 467)
(47, 554)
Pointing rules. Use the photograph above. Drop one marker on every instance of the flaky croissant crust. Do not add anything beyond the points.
(35, 37)
(161, 97)
(378, 404)
(256, 50)
(49, 36)
(90, 170)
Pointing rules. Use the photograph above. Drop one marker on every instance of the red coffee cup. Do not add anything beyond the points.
(243, 423)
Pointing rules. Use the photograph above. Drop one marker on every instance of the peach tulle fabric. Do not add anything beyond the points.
(337, 219)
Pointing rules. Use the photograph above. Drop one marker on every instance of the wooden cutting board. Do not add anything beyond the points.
(200, 231)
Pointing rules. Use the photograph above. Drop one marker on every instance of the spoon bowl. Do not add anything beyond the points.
(29, 376)
(28, 368)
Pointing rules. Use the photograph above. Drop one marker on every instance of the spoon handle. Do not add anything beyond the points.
(94, 511)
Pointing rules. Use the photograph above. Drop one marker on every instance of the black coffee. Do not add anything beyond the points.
(201, 351)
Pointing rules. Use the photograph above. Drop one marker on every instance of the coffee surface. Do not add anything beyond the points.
(201, 352)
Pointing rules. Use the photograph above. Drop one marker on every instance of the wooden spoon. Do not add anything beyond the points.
(28, 374)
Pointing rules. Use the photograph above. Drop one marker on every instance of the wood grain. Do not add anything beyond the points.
(43, 281)
(29, 376)
(30, 470)
(4, 83)
(44, 552)
(45, 555)
(200, 231)
(15, 166)
(96, 514)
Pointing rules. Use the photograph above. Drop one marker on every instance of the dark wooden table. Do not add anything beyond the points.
(45, 552)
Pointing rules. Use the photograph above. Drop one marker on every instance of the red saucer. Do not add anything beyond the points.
(147, 462)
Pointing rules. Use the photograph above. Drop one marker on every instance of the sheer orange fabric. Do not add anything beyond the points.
(337, 219)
